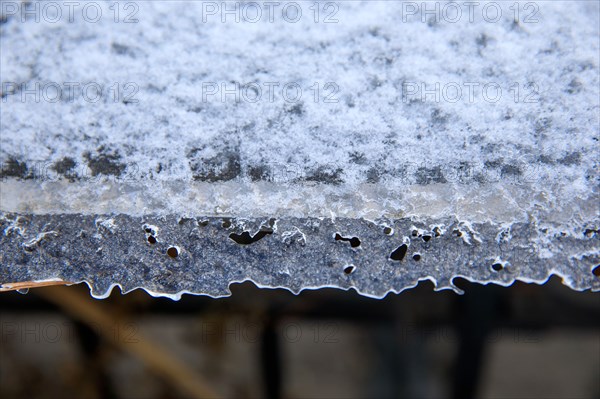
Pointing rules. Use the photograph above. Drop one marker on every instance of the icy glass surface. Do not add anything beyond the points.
(439, 113)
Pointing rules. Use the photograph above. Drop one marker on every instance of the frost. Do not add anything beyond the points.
(374, 140)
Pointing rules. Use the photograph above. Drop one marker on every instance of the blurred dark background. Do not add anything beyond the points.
(523, 341)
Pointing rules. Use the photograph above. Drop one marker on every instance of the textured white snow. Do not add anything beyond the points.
(370, 53)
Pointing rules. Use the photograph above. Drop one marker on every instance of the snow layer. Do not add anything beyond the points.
(405, 99)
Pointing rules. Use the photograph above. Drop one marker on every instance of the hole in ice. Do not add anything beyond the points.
(417, 257)
(226, 223)
(388, 231)
(596, 271)
(354, 241)
(152, 240)
(415, 233)
(399, 253)
(497, 267)
(349, 269)
(172, 252)
(246, 239)
(149, 229)
(426, 238)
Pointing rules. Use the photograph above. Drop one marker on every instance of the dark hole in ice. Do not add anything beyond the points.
(497, 267)
(246, 239)
(349, 269)
(417, 257)
(399, 253)
(172, 252)
(226, 223)
(596, 271)
(354, 241)
(426, 238)
(388, 231)
(148, 230)
(152, 240)
(415, 233)
(458, 233)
